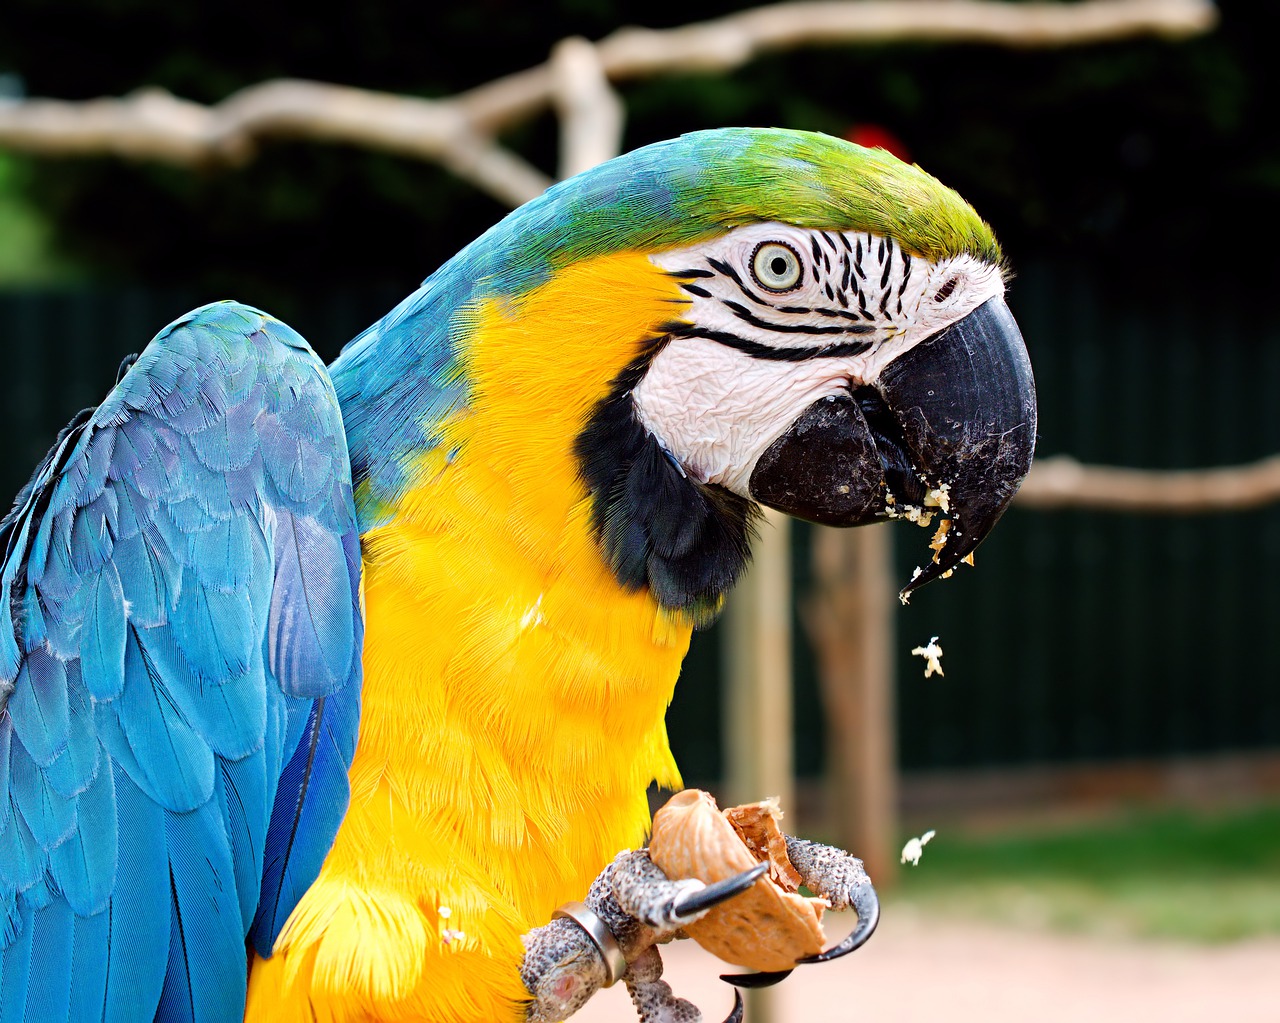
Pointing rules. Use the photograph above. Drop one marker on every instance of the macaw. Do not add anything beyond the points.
(364, 669)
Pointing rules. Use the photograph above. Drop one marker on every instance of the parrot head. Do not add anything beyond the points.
(844, 355)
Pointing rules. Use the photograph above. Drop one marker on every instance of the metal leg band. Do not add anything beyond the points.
(606, 944)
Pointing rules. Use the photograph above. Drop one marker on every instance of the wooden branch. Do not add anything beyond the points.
(151, 124)
(591, 113)
(1062, 482)
(729, 42)
(458, 132)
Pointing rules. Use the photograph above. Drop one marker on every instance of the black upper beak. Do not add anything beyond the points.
(950, 423)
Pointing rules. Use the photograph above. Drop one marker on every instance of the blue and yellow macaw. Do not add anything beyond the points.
(367, 667)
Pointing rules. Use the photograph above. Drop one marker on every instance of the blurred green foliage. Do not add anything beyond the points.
(1196, 876)
(1110, 158)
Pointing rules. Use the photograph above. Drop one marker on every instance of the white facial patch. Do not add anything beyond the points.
(717, 410)
(755, 357)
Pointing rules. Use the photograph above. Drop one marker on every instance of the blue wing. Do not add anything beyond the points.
(179, 677)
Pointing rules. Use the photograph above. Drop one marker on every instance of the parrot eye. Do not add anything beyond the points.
(776, 266)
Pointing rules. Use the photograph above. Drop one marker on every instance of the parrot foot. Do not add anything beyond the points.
(838, 877)
(632, 906)
(656, 1002)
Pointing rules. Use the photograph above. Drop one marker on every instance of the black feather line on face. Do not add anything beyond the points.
(687, 542)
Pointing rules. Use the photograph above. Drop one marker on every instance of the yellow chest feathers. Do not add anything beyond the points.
(507, 672)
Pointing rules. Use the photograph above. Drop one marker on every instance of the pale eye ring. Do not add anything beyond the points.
(776, 267)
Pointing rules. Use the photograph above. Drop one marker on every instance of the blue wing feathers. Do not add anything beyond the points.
(137, 933)
(312, 797)
(102, 636)
(15, 969)
(206, 976)
(242, 797)
(39, 706)
(77, 765)
(48, 816)
(311, 645)
(179, 677)
(89, 967)
(52, 947)
(85, 864)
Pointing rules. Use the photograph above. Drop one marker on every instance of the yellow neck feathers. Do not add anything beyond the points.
(514, 693)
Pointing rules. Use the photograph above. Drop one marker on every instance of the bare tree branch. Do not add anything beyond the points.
(151, 124)
(726, 43)
(458, 132)
(591, 113)
(1062, 482)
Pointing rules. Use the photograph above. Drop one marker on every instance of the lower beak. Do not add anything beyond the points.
(950, 423)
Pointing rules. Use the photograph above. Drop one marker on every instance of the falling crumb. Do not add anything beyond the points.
(914, 849)
(968, 559)
(450, 937)
(444, 912)
(932, 655)
(940, 497)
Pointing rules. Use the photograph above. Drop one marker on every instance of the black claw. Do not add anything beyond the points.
(867, 906)
(714, 894)
(736, 1015)
(755, 979)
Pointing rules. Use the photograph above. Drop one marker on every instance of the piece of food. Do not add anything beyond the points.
(914, 849)
(932, 653)
(769, 926)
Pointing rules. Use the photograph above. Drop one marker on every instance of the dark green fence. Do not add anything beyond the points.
(1078, 636)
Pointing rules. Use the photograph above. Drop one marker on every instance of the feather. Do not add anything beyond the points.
(89, 967)
(311, 630)
(77, 765)
(230, 716)
(137, 952)
(15, 970)
(47, 814)
(310, 804)
(93, 532)
(135, 444)
(38, 706)
(6, 742)
(241, 790)
(174, 761)
(53, 930)
(84, 866)
(21, 865)
(299, 466)
(102, 641)
(229, 442)
(213, 629)
(146, 582)
(206, 977)
(227, 557)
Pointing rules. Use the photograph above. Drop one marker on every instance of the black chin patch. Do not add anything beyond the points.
(686, 541)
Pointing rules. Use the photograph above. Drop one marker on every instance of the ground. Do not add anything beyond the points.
(917, 968)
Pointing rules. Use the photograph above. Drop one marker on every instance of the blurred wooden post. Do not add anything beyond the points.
(757, 700)
(849, 618)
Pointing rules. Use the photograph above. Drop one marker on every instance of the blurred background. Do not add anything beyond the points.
(1101, 759)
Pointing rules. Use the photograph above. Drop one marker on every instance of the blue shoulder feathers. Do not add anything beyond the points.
(179, 677)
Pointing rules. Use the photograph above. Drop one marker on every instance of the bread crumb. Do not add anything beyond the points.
(932, 653)
(914, 849)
